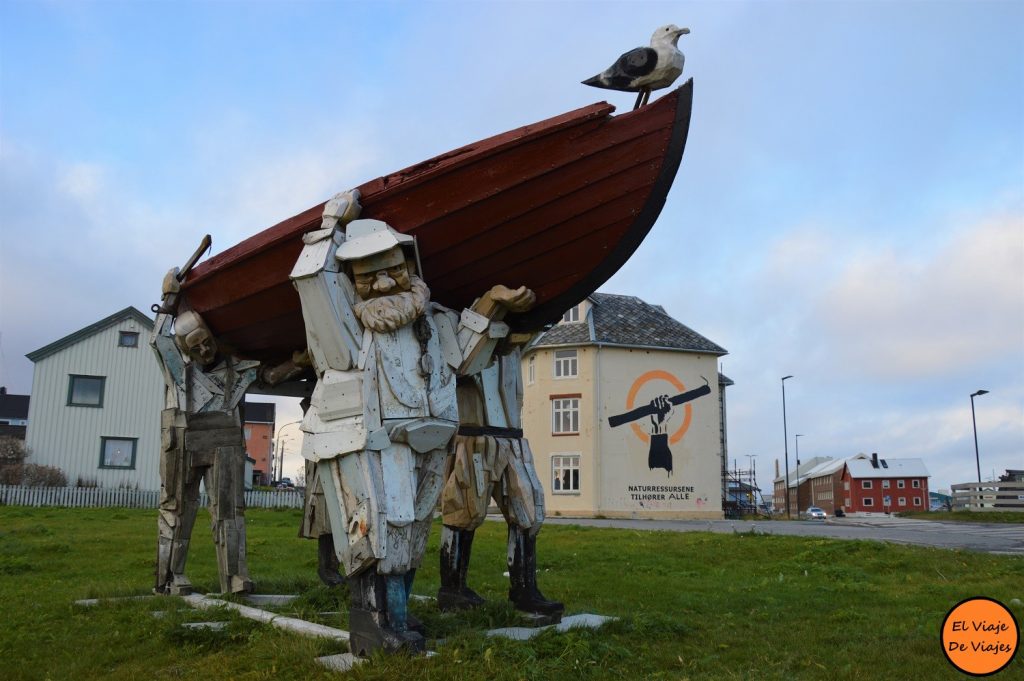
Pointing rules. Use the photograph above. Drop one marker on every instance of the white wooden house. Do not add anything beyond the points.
(96, 400)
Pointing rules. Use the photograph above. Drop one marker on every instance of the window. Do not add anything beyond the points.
(865, 484)
(868, 501)
(565, 364)
(846, 502)
(902, 501)
(565, 415)
(900, 484)
(85, 391)
(531, 370)
(117, 452)
(565, 473)
(572, 314)
(917, 501)
(916, 484)
(128, 339)
(885, 484)
(846, 485)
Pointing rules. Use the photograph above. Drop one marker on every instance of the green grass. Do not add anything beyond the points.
(691, 605)
(966, 516)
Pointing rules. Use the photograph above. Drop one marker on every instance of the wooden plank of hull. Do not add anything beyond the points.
(560, 206)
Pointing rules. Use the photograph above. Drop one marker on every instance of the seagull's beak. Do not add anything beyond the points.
(682, 31)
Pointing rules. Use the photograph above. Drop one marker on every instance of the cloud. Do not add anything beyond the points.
(897, 313)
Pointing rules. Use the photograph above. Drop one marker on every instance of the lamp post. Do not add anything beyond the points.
(785, 441)
(278, 453)
(796, 442)
(974, 422)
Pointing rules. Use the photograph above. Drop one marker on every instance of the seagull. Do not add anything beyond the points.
(645, 68)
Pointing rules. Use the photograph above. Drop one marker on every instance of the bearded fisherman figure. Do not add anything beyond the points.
(384, 408)
(201, 441)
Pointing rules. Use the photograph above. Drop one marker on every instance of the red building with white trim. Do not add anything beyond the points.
(884, 485)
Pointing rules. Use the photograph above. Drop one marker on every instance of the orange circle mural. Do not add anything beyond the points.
(658, 374)
(980, 636)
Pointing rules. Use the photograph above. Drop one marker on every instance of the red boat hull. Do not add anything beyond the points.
(558, 206)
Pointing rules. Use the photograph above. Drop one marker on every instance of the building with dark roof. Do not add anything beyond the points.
(603, 440)
(13, 414)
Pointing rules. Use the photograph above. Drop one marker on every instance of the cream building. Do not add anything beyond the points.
(611, 355)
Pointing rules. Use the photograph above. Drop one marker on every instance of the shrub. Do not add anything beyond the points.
(86, 482)
(35, 475)
(12, 451)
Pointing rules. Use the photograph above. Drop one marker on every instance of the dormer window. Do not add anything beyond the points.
(572, 314)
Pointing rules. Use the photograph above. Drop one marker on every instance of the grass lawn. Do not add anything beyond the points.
(966, 516)
(692, 605)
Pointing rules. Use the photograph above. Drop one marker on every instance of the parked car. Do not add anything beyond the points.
(815, 513)
(284, 483)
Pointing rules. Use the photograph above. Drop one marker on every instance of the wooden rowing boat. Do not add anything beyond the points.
(559, 206)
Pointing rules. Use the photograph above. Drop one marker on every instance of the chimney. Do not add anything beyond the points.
(874, 459)
(776, 468)
(3, 389)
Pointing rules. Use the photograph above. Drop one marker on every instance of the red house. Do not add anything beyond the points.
(259, 435)
(884, 485)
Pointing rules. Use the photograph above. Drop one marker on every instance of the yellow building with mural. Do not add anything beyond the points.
(624, 409)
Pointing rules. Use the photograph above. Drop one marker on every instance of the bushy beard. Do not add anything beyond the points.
(392, 312)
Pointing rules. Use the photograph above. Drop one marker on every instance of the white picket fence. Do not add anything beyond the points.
(100, 497)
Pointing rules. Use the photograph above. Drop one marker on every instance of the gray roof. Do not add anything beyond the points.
(96, 327)
(629, 322)
(888, 468)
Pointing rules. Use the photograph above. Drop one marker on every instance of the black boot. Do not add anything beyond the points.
(327, 561)
(377, 617)
(456, 547)
(522, 571)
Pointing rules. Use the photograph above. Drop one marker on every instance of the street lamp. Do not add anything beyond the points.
(277, 450)
(977, 459)
(785, 441)
(796, 441)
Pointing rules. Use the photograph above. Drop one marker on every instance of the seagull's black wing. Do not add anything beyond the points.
(630, 66)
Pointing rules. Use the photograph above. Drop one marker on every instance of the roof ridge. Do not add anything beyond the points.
(95, 327)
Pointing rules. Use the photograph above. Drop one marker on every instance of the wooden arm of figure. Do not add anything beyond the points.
(285, 371)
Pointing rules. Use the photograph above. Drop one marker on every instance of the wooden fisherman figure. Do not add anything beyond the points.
(493, 460)
(317, 525)
(384, 409)
(201, 441)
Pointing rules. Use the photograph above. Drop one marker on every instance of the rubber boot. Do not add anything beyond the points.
(522, 571)
(377, 616)
(456, 548)
(327, 562)
(411, 620)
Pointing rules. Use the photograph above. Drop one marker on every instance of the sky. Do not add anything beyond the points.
(849, 209)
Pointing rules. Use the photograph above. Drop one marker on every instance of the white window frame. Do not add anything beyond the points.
(885, 484)
(866, 484)
(902, 501)
(531, 370)
(563, 463)
(916, 484)
(901, 484)
(869, 501)
(917, 501)
(572, 314)
(565, 415)
(566, 365)
(846, 485)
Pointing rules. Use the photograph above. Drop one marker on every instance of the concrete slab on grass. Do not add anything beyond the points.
(341, 662)
(212, 626)
(270, 599)
(583, 620)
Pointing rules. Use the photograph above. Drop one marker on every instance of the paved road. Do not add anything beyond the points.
(1007, 539)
